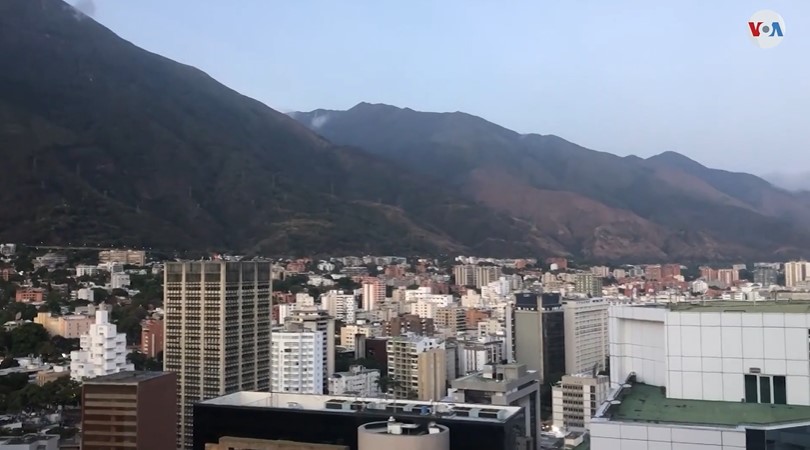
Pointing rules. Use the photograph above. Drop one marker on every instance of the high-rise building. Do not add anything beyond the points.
(217, 331)
(473, 356)
(339, 306)
(297, 360)
(486, 274)
(464, 275)
(588, 284)
(796, 272)
(130, 411)
(103, 351)
(766, 276)
(349, 332)
(152, 337)
(728, 276)
(451, 318)
(409, 323)
(576, 398)
(539, 335)
(313, 319)
(373, 293)
(586, 334)
(653, 272)
(418, 366)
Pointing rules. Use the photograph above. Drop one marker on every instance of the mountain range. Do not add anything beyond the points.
(586, 203)
(105, 143)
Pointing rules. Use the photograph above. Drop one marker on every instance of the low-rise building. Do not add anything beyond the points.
(29, 295)
(575, 399)
(69, 327)
(357, 381)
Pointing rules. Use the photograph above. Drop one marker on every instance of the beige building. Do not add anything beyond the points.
(348, 332)
(451, 318)
(796, 272)
(131, 257)
(217, 335)
(418, 366)
(575, 399)
(392, 435)
(586, 334)
(238, 443)
(69, 327)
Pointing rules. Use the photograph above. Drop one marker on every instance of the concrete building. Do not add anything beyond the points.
(357, 381)
(29, 295)
(474, 356)
(335, 419)
(69, 327)
(103, 351)
(586, 334)
(539, 335)
(393, 435)
(453, 319)
(373, 293)
(418, 364)
(297, 361)
(340, 306)
(503, 385)
(312, 319)
(217, 332)
(796, 272)
(130, 411)
(119, 280)
(152, 337)
(464, 275)
(409, 324)
(83, 270)
(589, 284)
(349, 332)
(576, 398)
(734, 375)
(486, 274)
(129, 257)
(765, 276)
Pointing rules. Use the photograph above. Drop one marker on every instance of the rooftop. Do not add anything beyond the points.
(794, 307)
(351, 405)
(130, 377)
(644, 403)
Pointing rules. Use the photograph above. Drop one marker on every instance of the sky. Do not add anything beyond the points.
(626, 77)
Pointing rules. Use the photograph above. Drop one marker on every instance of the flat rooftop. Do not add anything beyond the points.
(352, 405)
(130, 377)
(644, 403)
(795, 306)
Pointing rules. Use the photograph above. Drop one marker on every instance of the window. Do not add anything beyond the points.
(764, 389)
(751, 389)
(779, 392)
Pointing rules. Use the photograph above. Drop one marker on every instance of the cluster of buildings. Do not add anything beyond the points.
(488, 353)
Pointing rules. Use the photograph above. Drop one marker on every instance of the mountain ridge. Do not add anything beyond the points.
(677, 207)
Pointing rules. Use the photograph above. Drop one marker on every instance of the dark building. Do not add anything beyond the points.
(375, 349)
(409, 323)
(130, 410)
(539, 337)
(323, 419)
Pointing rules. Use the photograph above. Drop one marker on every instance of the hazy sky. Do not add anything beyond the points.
(628, 77)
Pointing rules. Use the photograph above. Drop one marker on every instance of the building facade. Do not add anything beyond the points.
(103, 351)
(217, 335)
(586, 334)
(576, 398)
(69, 327)
(152, 340)
(312, 319)
(130, 411)
(297, 361)
(356, 381)
(418, 364)
(129, 257)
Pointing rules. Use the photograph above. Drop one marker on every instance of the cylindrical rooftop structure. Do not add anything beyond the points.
(394, 435)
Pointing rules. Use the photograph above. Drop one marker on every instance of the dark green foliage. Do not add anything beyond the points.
(27, 339)
(143, 362)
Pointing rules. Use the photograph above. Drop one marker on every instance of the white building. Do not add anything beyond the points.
(297, 362)
(85, 270)
(340, 306)
(302, 300)
(119, 280)
(586, 334)
(103, 351)
(473, 356)
(730, 375)
(85, 294)
(575, 399)
(424, 309)
(357, 381)
(8, 249)
(348, 332)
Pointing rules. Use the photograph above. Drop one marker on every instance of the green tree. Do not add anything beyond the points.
(27, 339)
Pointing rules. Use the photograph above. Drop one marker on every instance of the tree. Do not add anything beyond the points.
(27, 339)
(100, 295)
(8, 363)
(143, 362)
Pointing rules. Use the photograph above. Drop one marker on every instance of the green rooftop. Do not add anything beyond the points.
(795, 306)
(643, 403)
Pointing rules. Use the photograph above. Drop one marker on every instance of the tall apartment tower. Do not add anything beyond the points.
(297, 361)
(313, 319)
(418, 364)
(217, 335)
(586, 334)
(373, 293)
(129, 411)
(539, 335)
